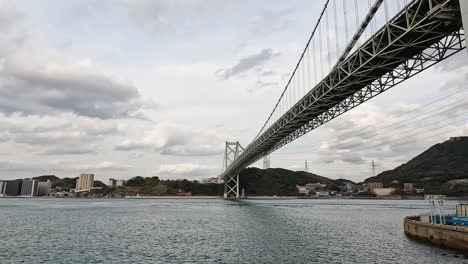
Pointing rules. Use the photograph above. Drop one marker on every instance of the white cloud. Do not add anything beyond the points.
(57, 135)
(189, 170)
(247, 63)
(176, 141)
(38, 80)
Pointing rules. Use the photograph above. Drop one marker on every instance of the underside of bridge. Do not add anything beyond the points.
(424, 33)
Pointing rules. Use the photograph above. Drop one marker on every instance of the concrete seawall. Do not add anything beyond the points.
(454, 237)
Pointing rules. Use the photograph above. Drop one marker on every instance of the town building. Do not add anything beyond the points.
(375, 185)
(44, 188)
(215, 180)
(13, 188)
(419, 190)
(3, 185)
(322, 194)
(381, 192)
(29, 188)
(315, 186)
(408, 187)
(116, 183)
(302, 190)
(85, 181)
(348, 187)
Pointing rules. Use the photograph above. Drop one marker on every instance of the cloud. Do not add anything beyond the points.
(458, 82)
(149, 14)
(59, 166)
(454, 63)
(186, 170)
(15, 166)
(247, 63)
(176, 141)
(354, 160)
(32, 85)
(178, 18)
(62, 134)
(369, 133)
(105, 165)
(38, 80)
(272, 21)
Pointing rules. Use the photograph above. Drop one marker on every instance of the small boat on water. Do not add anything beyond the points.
(438, 228)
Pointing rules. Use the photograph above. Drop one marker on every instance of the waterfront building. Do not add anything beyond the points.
(29, 188)
(315, 186)
(380, 192)
(116, 183)
(44, 188)
(13, 188)
(85, 181)
(322, 194)
(408, 187)
(462, 210)
(302, 190)
(3, 185)
(375, 185)
(348, 187)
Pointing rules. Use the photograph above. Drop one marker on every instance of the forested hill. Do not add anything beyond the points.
(443, 168)
(279, 181)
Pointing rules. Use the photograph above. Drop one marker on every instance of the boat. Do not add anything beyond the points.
(438, 228)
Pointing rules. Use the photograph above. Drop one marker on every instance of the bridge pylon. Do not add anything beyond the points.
(231, 181)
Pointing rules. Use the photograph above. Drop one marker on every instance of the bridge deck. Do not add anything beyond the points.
(423, 34)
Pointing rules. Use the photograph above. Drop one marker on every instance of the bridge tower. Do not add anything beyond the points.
(231, 181)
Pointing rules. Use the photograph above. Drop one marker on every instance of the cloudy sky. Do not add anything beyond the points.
(149, 87)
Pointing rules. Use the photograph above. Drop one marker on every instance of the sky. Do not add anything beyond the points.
(121, 88)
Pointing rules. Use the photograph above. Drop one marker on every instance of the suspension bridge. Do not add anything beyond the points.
(391, 42)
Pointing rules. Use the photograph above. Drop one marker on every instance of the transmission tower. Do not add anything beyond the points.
(266, 162)
(305, 167)
(373, 168)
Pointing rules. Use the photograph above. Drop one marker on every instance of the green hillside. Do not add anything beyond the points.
(443, 168)
(278, 181)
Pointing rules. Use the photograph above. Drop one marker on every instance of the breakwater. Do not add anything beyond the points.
(454, 237)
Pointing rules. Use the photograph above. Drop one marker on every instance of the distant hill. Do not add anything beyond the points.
(52, 178)
(279, 181)
(443, 168)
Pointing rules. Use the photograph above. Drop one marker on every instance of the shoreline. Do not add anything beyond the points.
(411, 198)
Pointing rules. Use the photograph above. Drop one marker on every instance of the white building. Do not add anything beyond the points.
(85, 181)
(315, 186)
(375, 185)
(29, 188)
(380, 192)
(302, 190)
(116, 183)
(43, 188)
(3, 185)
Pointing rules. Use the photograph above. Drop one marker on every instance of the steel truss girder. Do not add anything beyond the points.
(423, 34)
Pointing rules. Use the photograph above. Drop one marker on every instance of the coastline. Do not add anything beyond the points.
(249, 197)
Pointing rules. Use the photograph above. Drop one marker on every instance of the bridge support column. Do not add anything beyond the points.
(231, 180)
(231, 186)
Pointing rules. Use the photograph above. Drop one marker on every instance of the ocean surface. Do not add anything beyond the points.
(212, 231)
